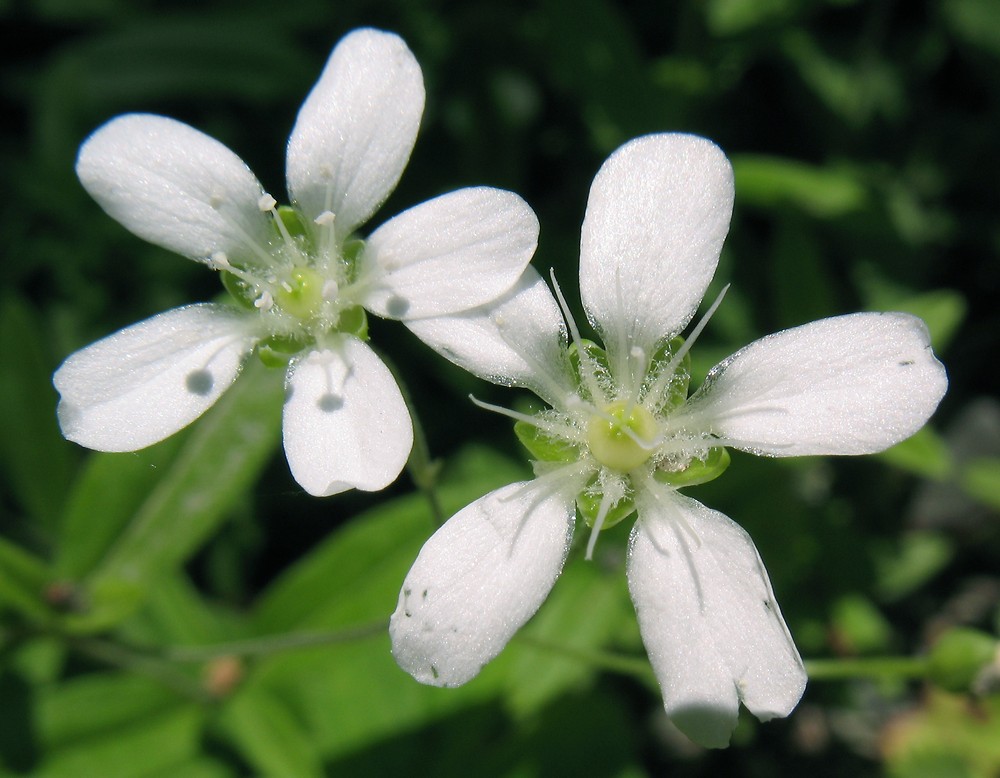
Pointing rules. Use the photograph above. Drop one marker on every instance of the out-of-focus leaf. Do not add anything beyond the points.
(267, 733)
(924, 454)
(108, 493)
(199, 767)
(975, 22)
(945, 732)
(859, 626)
(586, 609)
(97, 704)
(775, 182)
(905, 567)
(37, 459)
(980, 479)
(732, 17)
(356, 574)
(114, 725)
(23, 580)
(174, 613)
(212, 470)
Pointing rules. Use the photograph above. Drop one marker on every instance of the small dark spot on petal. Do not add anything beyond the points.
(407, 592)
(424, 595)
(906, 363)
(767, 605)
(329, 403)
(434, 671)
(199, 382)
(408, 614)
(396, 306)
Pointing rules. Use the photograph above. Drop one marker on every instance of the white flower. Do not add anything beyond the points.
(303, 282)
(623, 436)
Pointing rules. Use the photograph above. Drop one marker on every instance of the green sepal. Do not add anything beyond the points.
(351, 251)
(239, 290)
(698, 472)
(354, 321)
(277, 350)
(682, 371)
(589, 504)
(543, 446)
(292, 221)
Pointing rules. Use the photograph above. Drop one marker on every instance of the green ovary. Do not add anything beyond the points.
(610, 441)
(301, 294)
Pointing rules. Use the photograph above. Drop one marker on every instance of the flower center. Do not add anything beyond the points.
(301, 293)
(614, 437)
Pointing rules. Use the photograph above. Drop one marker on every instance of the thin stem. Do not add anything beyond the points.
(272, 644)
(141, 663)
(423, 470)
(638, 667)
(871, 667)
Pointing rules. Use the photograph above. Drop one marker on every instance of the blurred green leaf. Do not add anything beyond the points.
(113, 724)
(980, 478)
(23, 581)
(859, 625)
(904, 567)
(37, 460)
(587, 608)
(264, 730)
(802, 282)
(732, 17)
(774, 183)
(211, 472)
(356, 574)
(107, 494)
(975, 22)
(925, 454)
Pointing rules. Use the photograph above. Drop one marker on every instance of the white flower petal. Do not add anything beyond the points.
(518, 340)
(657, 216)
(708, 618)
(449, 254)
(852, 384)
(345, 424)
(144, 383)
(478, 579)
(174, 186)
(355, 131)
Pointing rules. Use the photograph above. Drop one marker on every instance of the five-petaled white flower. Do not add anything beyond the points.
(302, 282)
(623, 435)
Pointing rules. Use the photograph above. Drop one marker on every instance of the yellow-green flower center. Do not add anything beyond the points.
(614, 437)
(301, 293)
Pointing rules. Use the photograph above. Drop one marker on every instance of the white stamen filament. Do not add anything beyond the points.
(588, 370)
(602, 514)
(666, 374)
(563, 431)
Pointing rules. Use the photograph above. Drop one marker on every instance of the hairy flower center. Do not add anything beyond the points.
(301, 294)
(619, 437)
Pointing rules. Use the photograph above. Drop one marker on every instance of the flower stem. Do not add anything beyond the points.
(272, 644)
(868, 667)
(422, 468)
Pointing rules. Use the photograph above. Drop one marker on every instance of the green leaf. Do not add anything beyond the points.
(925, 454)
(980, 478)
(355, 575)
(975, 22)
(23, 581)
(157, 742)
(587, 609)
(213, 469)
(774, 183)
(268, 734)
(918, 557)
(109, 491)
(32, 450)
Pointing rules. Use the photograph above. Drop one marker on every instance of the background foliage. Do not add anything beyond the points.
(865, 141)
